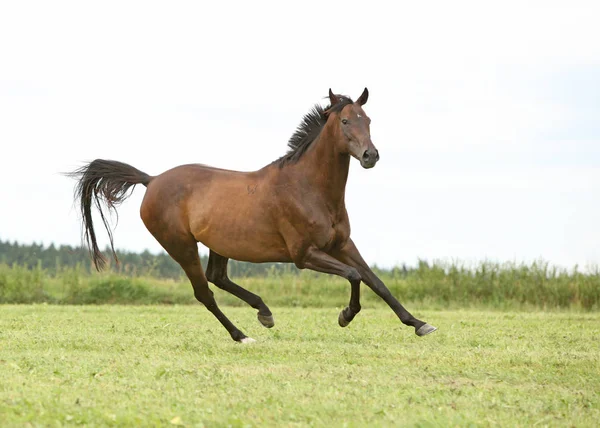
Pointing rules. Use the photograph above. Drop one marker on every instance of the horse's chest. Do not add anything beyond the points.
(341, 233)
(332, 235)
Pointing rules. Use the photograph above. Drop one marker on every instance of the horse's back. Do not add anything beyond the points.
(231, 212)
(183, 188)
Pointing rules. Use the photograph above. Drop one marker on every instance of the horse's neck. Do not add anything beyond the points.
(327, 168)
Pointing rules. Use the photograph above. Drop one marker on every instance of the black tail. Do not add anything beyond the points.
(108, 181)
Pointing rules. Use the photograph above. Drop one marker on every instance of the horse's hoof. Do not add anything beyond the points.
(425, 329)
(266, 320)
(342, 320)
(247, 340)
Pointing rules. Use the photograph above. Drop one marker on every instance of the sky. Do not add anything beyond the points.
(486, 116)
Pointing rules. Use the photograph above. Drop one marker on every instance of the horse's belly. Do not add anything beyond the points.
(243, 240)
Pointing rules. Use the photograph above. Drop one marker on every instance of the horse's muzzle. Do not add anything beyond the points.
(369, 158)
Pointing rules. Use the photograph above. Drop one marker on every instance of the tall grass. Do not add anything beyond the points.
(494, 285)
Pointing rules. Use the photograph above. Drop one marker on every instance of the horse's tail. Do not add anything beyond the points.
(107, 181)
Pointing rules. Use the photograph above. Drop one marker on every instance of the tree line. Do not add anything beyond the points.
(53, 259)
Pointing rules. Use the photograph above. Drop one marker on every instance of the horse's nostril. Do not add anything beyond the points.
(370, 155)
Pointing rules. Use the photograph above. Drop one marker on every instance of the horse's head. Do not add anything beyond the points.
(355, 131)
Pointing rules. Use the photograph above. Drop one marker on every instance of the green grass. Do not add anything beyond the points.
(487, 285)
(161, 365)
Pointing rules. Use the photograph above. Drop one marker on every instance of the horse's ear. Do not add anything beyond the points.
(333, 99)
(362, 100)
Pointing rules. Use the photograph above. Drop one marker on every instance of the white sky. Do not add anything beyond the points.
(486, 116)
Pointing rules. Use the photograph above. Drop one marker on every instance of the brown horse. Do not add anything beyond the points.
(292, 210)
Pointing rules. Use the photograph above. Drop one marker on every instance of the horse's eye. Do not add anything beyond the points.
(344, 121)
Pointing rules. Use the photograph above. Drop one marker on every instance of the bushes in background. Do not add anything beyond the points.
(441, 285)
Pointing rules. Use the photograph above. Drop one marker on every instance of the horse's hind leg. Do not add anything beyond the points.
(216, 272)
(185, 252)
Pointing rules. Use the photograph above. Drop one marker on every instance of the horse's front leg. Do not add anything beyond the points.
(350, 256)
(349, 312)
(320, 261)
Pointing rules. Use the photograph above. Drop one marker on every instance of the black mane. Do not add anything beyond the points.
(309, 129)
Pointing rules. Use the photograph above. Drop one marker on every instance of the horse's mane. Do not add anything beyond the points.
(309, 129)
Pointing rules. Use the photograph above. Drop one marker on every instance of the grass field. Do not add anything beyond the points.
(506, 286)
(163, 365)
